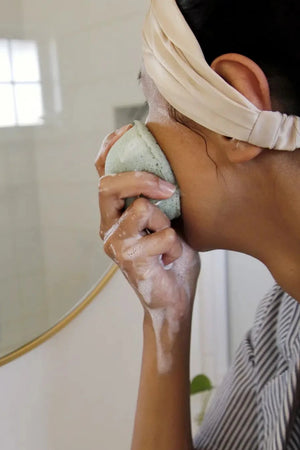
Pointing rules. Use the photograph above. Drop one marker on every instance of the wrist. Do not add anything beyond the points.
(180, 323)
(167, 339)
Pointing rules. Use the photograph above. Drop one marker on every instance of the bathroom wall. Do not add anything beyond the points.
(21, 258)
(95, 47)
(89, 56)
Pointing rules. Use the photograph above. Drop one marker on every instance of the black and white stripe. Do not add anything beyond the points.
(257, 405)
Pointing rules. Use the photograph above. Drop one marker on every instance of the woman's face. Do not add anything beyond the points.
(199, 167)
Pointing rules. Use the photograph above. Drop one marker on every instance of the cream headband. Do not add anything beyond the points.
(175, 62)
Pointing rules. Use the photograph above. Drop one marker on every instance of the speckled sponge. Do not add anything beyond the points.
(137, 150)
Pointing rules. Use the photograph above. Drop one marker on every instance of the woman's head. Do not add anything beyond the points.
(232, 190)
(213, 96)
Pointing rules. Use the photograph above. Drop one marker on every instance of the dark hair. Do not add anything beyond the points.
(267, 31)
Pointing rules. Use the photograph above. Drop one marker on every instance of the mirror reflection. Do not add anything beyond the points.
(60, 95)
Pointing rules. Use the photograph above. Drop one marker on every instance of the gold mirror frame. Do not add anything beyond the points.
(63, 322)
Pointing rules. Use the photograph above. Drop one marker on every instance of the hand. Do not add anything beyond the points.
(160, 266)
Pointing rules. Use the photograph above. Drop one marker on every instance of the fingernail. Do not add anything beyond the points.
(167, 187)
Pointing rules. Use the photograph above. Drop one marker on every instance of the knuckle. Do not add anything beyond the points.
(141, 206)
(100, 183)
(101, 234)
(171, 235)
(106, 247)
(151, 180)
(156, 181)
(130, 253)
(103, 184)
(109, 248)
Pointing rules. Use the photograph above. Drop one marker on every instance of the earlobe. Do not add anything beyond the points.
(241, 152)
(246, 76)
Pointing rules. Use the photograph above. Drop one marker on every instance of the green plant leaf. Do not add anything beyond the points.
(200, 383)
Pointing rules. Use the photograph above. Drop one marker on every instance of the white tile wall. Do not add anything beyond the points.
(72, 15)
(21, 163)
(11, 14)
(50, 179)
(70, 205)
(10, 308)
(98, 70)
(68, 162)
(51, 186)
(29, 252)
(5, 211)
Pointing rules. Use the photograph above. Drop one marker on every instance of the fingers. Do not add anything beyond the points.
(148, 250)
(126, 240)
(142, 215)
(106, 145)
(165, 243)
(140, 256)
(113, 189)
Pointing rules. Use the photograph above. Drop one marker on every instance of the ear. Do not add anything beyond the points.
(238, 151)
(245, 76)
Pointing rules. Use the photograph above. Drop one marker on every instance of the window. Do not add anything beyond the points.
(20, 84)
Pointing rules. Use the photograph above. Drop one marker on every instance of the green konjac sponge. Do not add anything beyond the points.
(137, 150)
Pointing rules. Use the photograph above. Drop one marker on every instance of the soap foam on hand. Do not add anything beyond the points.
(137, 150)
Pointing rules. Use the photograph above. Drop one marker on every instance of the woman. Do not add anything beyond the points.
(237, 164)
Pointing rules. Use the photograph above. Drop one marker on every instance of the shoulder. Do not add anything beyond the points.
(277, 323)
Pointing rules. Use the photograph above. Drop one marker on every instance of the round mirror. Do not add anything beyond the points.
(62, 90)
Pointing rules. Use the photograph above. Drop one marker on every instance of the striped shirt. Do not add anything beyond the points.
(257, 405)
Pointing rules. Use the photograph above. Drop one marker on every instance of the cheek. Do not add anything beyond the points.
(196, 176)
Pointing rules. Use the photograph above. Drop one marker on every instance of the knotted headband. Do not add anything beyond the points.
(174, 60)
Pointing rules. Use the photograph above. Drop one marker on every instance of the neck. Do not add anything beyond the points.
(272, 223)
(282, 255)
(279, 251)
(287, 276)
